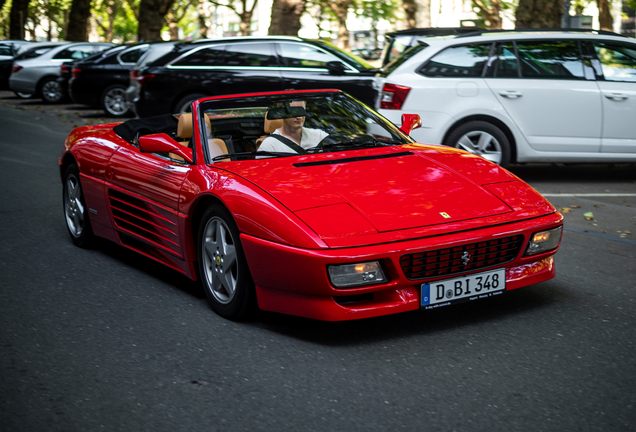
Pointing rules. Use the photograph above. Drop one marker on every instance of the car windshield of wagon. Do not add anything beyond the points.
(333, 122)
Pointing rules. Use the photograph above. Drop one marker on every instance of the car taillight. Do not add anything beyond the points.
(76, 72)
(65, 69)
(16, 68)
(134, 74)
(145, 79)
(393, 96)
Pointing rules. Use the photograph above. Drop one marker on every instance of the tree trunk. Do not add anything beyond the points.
(286, 17)
(203, 24)
(341, 9)
(605, 19)
(77, 30)
(17, 18)
(151, 19)
(246, 23)
(539, 14)
(410, 13)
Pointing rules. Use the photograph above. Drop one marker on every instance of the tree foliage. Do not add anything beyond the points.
(242, 10)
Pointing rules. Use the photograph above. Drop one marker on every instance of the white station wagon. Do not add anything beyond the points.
(528, 96)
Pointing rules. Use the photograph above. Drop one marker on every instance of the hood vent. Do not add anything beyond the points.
(352, 159)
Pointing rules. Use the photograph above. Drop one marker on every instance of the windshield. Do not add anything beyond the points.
(262, 126)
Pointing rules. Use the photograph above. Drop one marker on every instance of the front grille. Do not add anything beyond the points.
(450, 261)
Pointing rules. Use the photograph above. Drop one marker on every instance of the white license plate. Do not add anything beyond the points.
(465, 288)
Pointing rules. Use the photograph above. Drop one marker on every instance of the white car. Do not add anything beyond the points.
(35, 71)
(515, 97)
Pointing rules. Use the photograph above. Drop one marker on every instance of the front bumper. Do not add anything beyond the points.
(294, 281)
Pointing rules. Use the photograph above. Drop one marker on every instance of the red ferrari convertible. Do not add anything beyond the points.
(307, 203)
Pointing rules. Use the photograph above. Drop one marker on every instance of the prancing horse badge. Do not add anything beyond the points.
(445, 215)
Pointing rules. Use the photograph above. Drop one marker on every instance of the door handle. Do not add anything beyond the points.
(511, 94)
(616, 96)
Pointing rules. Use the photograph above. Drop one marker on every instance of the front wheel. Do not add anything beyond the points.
(223, 268)
(75, 210)
(114, 101)
(184, 105)
(483, 139)
(51, 92)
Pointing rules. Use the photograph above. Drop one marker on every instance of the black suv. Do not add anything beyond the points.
(193, 70)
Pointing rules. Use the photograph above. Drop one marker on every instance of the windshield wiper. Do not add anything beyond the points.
(254, 153)
(356, 142)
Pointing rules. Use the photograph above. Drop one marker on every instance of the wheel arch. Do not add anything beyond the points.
(186, 92)
(198, 208)
(488, 119)
(67, 160)
(38, 87)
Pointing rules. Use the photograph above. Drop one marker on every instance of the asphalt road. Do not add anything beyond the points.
(104, 339)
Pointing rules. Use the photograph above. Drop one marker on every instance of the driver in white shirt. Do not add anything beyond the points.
(293, 129)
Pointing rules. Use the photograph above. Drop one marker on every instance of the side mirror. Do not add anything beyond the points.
(162, 143)
(410, 122)
(336, 68)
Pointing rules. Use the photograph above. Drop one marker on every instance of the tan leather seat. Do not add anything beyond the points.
(269, 127)
(184, 131)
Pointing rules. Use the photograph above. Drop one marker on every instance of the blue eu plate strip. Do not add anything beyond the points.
(426, 295)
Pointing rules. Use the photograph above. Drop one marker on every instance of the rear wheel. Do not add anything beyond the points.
(75, 210)
(223, 268)
(50, 91)
(483, 139)
(185, 103)
(114, 101)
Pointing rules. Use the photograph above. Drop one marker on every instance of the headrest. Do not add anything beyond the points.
(271, 125)
(184, 128)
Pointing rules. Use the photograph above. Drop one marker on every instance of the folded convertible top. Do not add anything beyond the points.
(129, 129)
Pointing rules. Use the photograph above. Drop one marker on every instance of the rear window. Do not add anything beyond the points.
(409, 53)
(5, 50)
(466, 61)
(35, 52)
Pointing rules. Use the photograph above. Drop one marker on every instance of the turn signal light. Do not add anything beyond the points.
(351, 275)
(393, 96)
(544, 241)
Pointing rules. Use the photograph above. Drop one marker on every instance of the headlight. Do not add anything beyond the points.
(544, 241)
(348, 275)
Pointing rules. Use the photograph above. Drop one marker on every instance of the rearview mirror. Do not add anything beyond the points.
(410, 122)
(162, 143)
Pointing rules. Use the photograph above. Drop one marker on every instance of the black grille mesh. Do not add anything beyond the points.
(448, 261)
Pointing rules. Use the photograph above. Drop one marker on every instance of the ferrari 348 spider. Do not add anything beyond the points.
(352, 219)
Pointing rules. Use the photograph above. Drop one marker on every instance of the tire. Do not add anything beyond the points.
(23, 95)
(223, 268)
(184, 104)
(113, 101)
(50, 91)
(75, 210)
(483, 139)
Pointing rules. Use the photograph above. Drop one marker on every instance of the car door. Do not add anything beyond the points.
(618, 90)
(543, 87)
(143, 195)
(305, 68)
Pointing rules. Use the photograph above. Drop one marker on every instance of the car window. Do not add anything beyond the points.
(466, 61)
(75, 53)
(399, 45)
(131, 56)
(618, 62)
(304, 56)
(34, 52)
(507, 66)
(5, 50)
(211, 56)
(552, 59)
(250, 54)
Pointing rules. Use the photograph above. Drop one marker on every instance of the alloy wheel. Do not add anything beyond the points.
(220, 260)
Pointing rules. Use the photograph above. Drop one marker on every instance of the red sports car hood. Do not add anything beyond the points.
(374, 190)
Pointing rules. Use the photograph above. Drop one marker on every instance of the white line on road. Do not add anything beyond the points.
(588, 195)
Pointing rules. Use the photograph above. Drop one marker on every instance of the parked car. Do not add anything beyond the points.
(395, 43)
(522, 96)
(36, 70)
(365, 223)
(102, 80)
(248, 64)
(8, 51)
(155, 50)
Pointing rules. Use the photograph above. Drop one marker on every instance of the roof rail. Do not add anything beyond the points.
(538, 30)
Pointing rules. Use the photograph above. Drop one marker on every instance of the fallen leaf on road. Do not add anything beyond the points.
(575, 206)
(565, 210)
(588, 216)
(626, 232)
(597, 205)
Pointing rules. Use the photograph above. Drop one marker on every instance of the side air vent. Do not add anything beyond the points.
(144, 221)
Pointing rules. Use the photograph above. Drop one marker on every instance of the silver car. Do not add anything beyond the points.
(36, 70)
